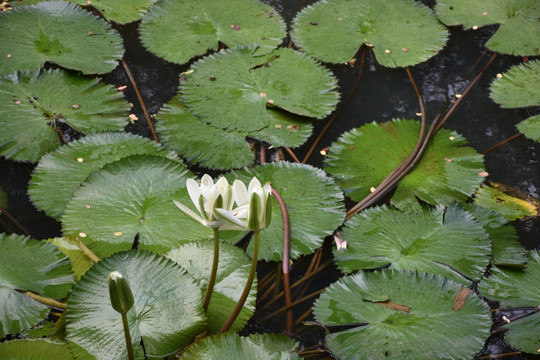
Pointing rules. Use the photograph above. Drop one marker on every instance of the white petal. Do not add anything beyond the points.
(189, 213)
(240, 193)
(233, 222)
(194, 192)
(253, 184)
(206, 184)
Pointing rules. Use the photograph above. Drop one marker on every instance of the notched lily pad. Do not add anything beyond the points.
(417, 315)
(58, 32)
(401, 33)
(131, 201)
(32, 104)
(234, 88)
(205, 23)
(519, 22)
(445, 241)
(448, 171)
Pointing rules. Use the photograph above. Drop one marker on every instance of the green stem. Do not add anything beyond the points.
(213, 273)
(129, 345)
(247, 288)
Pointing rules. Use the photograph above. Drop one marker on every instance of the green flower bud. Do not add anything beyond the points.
(120, 293)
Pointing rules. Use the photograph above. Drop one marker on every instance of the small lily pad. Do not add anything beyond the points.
(523, 333)
(401, 315)
(263, 346)
(39, 349)
(445, 241)
(205, 23)
(31, 105)
(119, 11)
(512, 208)
(232, 89)
(70, 247)
(401, 33)
(234, 266)
(166, 316)
(29, 265)
(448, 171)
(131, 201)
(519, 22)
(314, 203)
(58, 32)
(59, 173)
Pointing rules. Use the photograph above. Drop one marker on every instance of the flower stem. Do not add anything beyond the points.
(129, 345)
(247, 288)
(213, 273)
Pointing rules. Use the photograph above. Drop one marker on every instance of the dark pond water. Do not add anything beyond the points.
(383, 94)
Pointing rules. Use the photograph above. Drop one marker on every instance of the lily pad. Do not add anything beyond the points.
(448, 171)
(119, 11)
(401, 315)
(232, 89)
(58, 32)
(29, 265)
(262, 347)
(69, 246)
(313, 200)
(519, 22)
(216, 148)
(166, 316)
(59, 173)
(510, 207)
(518, 87)
(401, 33)
(233, 271)
(445, 241)
(131, 200)
(523, 333)
(205, 23)
(32, 105)
(39, 349)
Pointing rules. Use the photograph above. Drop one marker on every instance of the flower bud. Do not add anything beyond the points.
(120, 293)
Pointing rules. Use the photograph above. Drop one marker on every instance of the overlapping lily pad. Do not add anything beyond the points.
(131, 200)
(265, 346)
(401, 33)
(518, 87)
(33, 103)
(519, 22)
(445, 241)
(29, 265)
(233, 270)
(59, 173)
(120, 11)
(523, 333)
(234, 88)
(512, 208)
(58, 32)
(314, 203)
(70, 247)
(448, 171)
(39, 349)
(216, 148)
(205, 23)
(391, 315)
(166, 316)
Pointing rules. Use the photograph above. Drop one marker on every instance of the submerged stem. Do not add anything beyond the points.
(213, 273)
(129, 345)
(240, 304)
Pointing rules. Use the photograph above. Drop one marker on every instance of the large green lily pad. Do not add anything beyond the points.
(132, 198)
(207, 22)
(59, 173)
(313, 200)
(401, 33)
(29, 265)
(448, 171)
(401, 315)
(58, 32)
(33, 103)
(233, 89)
(120, 11)
(166, 316)
(260, 347)
(519, 22)
(39, 349)
(234, 266)
(445, 241)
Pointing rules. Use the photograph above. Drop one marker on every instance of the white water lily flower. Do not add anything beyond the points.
(254, 206)
(207, 197)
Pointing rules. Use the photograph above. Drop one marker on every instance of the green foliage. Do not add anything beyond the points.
(401, 33)
(33, 104)
(519, 22)
(392, 314)
(119, 11)
(69, 246)
(207, 22)
(58, 32)
(39, 349)
(510, 207)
